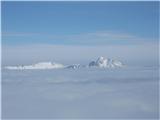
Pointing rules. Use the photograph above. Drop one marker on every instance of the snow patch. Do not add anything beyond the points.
(40, 65)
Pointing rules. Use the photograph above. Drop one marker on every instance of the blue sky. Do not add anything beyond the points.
(79, 23)
(76, 32)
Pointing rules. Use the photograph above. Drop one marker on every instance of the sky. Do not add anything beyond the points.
(74, 22)
(70, 24)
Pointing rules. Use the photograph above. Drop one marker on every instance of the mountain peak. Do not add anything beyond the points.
(105, 63)
(101, 62)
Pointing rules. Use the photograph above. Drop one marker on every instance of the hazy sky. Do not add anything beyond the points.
(100, 26)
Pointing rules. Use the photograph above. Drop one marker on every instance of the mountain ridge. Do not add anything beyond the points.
(101, 62)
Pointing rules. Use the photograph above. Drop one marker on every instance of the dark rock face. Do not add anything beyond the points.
(75, 66)
(93, 63)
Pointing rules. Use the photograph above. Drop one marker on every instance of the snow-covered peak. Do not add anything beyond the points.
(40, 65)
(101, 62)
(105, 63)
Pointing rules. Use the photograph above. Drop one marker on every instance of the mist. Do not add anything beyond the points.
(140, 54)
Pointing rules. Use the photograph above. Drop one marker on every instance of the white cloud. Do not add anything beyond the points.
(102, 37)
(90, 38)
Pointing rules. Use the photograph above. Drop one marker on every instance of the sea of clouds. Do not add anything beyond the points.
(130, 92)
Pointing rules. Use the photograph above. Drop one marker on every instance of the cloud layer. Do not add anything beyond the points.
(54, 94)
(90, 38)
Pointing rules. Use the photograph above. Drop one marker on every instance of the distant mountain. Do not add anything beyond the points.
(105, 63)
(40, 65)
(101, 62)
(74, 66)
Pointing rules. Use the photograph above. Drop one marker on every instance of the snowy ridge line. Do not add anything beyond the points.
(101, 62)
(40, 65)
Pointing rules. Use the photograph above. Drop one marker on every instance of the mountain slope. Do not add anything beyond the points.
(105, 63)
